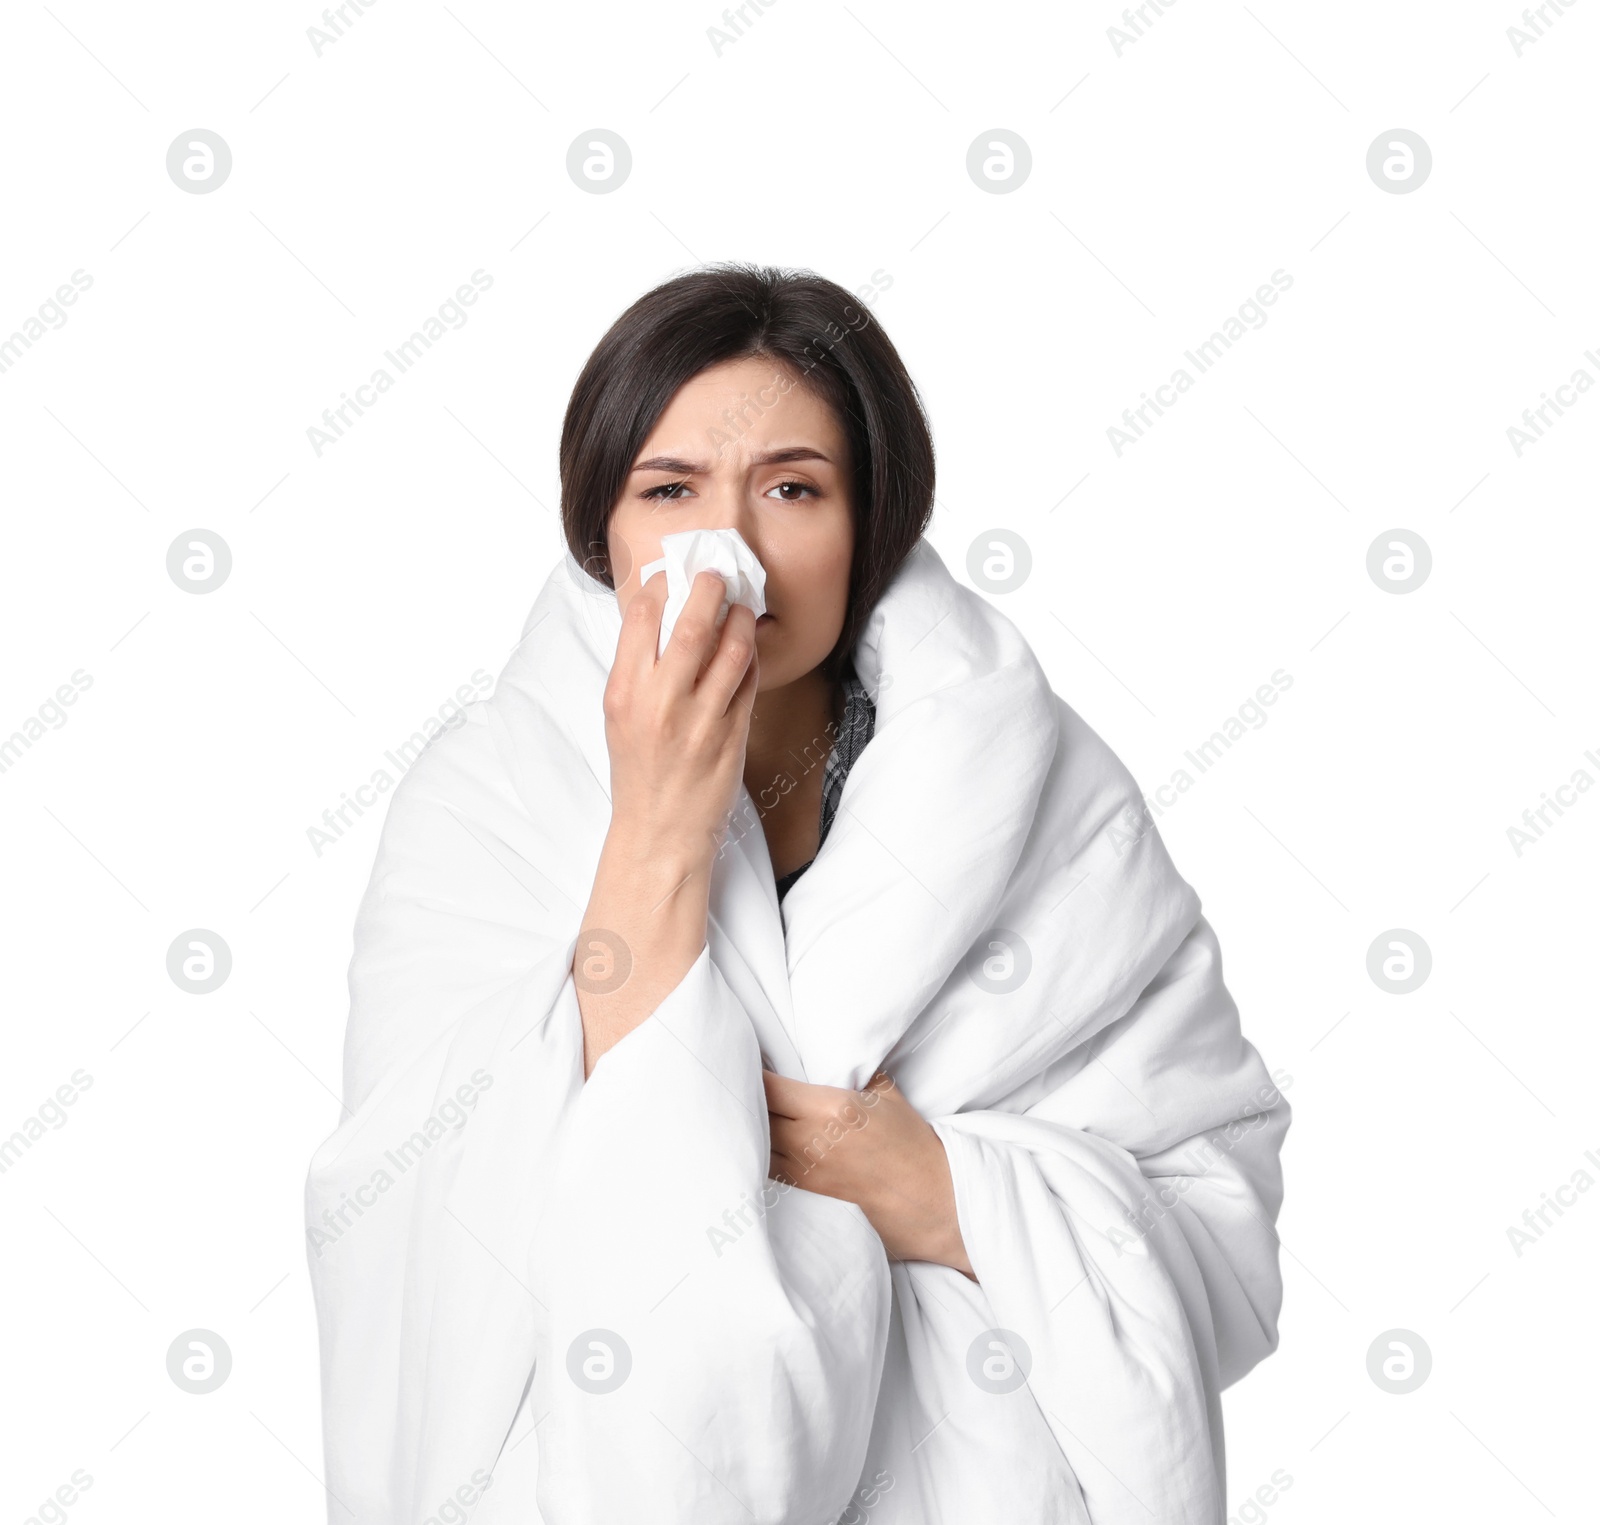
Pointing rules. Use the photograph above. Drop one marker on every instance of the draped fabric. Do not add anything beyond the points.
(545, 1299)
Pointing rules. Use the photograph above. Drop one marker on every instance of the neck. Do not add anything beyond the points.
(791, 732)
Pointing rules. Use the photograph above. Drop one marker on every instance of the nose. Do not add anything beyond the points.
(727, 502)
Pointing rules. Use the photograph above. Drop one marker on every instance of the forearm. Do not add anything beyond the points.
(644, 927)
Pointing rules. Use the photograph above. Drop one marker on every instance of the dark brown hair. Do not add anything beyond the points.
(735, 311)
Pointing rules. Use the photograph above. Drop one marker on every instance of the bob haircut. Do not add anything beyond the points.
(801, 322)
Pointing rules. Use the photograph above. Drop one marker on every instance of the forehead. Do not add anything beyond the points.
(764, 396)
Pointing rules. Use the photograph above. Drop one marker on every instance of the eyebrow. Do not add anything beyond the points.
(680, 467)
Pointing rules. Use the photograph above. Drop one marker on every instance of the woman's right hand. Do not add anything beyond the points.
(676, 728)
(676, 732)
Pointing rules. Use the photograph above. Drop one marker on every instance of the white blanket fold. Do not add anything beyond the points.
(542, 1299)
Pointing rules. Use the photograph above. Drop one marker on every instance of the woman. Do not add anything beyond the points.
(787, 1079)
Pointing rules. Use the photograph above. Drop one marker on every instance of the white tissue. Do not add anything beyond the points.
(692, 551)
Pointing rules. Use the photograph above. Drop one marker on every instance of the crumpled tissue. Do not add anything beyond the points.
(692, 551)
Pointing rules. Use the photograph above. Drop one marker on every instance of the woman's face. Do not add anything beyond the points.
(745, 446)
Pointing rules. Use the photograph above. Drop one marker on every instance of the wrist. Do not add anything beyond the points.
(935, 1222)
(662, 859)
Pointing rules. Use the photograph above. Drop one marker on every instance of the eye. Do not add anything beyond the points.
(803, 486)
(665, 492)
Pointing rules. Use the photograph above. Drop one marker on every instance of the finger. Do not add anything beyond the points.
(641, 630)
(793, 1142)
(792, 1165)
(785, 1097)
(695, 637)
(734, 670)
(779, 1169)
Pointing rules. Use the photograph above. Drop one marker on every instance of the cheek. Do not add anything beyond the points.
(624, 542)
(815, 568)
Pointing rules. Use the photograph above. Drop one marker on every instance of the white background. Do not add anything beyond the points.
(1168, 182)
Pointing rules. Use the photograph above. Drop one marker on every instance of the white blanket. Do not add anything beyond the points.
(542, 1299)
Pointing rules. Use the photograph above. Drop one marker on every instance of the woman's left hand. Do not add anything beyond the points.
(872, 1148)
